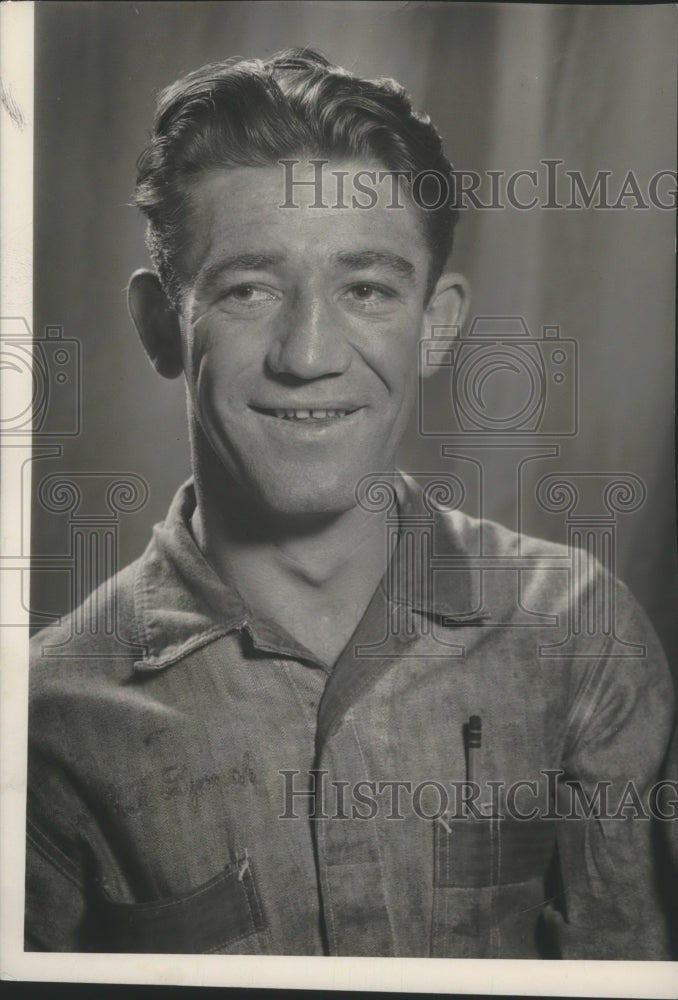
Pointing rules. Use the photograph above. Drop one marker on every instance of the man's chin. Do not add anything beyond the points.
(308, 499)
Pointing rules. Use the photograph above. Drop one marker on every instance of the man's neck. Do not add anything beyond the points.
(314, 575)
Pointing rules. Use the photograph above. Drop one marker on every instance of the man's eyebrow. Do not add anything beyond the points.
(253, 261)
(355, 260)
(358, 260)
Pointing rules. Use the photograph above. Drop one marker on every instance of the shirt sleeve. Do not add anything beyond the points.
(55, 915)
(55, 901)
(617, 740)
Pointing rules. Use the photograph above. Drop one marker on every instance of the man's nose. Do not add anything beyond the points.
(309, 342)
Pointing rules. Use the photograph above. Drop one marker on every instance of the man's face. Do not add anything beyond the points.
(299, 335)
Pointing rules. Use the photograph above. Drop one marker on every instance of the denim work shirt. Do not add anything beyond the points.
(200, 782)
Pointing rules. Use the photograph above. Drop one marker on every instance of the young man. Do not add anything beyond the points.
(264, 772)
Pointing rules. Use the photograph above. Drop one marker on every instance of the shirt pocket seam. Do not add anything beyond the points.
(491, 853)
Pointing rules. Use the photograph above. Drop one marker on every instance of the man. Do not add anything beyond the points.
(264, 772)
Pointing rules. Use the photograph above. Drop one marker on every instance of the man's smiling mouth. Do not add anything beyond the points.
(308, 414)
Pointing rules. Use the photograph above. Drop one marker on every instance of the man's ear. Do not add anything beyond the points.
(445, 314)
(157, 323)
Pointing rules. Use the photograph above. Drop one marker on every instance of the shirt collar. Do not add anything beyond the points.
(181, 604)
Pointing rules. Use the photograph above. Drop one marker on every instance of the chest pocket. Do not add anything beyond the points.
(217, 915)
(489, 876)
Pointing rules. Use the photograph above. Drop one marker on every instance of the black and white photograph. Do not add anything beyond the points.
(339, 568)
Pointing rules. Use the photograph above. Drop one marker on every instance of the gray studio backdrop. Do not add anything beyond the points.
(509, 86)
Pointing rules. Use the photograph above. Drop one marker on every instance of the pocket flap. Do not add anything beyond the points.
(214, 915)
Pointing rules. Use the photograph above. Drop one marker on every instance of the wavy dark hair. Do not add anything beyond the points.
(254, 113)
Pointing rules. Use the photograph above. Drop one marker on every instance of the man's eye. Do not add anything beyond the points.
(368, 294)
(249, 295)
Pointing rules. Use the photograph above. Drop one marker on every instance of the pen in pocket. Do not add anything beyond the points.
(475, 736)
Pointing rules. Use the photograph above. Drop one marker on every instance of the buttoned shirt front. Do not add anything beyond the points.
(200, 782)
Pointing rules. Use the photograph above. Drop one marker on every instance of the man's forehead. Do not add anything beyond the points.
(316, 183)
(252, 211)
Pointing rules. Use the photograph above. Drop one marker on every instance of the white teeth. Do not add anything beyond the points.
(310, 414)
